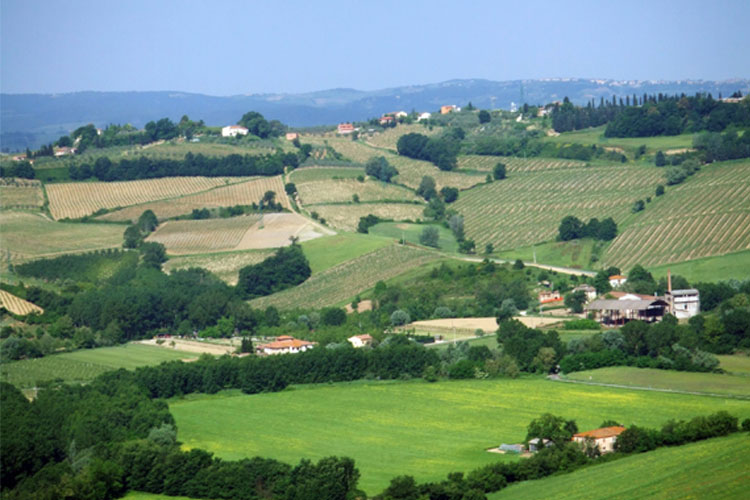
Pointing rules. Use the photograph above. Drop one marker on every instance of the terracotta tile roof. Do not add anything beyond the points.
(604, 432)
(286, 344)
(363, 337)
(617, 277)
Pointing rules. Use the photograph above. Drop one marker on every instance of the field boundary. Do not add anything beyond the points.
(559, 378)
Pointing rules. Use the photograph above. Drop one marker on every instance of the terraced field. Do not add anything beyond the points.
(410, 173)
(342, 191)
(78, 199)
(527, 207)
(21, 193)
(708, 214)
(309, 174)
(346, 217)
(225, 265)
(17, 305)
(487, 163)
(242, 193)
(344, 281)
(27, 236)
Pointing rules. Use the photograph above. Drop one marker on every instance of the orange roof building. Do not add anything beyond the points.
(345, 128)
(284, 344)
(360, 340)
(604, 438)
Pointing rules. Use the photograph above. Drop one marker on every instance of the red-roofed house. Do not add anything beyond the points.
(345, 128)
(360, 340)
(233, 130)
(387, 120)
(284, 345)
(548, 297)
(617, 280)
(604, 438)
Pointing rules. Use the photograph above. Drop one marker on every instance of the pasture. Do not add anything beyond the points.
(84, 365)
(17, 305)
(707, 215)
(241, 193)
(575, 254)
(344, 281)
(77, 199)
(715, 468)
(21, 194)
(343, 190)
(527, 208)
(718, 268)
(225, 265)
(410, 233)
(27, 236)
(428, 430)
(737, 364)
(596, 136)
(346, 217)
(668, 380)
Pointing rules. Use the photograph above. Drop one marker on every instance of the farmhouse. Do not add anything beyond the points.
(64, 151)
(290, 136)
(233, 131)
(684, 304)
(546, 297)
(603, 438)
(620, 311)
(449, 108)
(617, 280)
(387, 120)
(345, 128)
(284, 344)
(588, 290)
(360, 340)
(424, 116)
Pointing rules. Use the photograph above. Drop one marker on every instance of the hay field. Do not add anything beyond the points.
(488, 325)
(343, 281)
(27, 236)
(78, 199)
(342, 190)
(708, 214)
(487, 163)
(226, 265)
(527, 208)
(346, 217)
(21, 193)
(242, 193)
(390, 136)
(426, 430)
(715, 469)
(17, 305)
(235, 233)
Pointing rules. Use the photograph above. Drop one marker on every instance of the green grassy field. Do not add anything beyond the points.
(328, 251)
(707, 215)
(575, 254)
(342, 282)
(27, 236)
(526, 208)
(722, 267)
(596, 136)
(737, 364)
(311, 174)
(715, 468)
(84, 365)
(428, 430)
(711, 383)
(410, 232)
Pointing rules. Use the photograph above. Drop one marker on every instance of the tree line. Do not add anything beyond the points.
(572, 228)
(441, 150)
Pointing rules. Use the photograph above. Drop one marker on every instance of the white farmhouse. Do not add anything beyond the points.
(360, 340)
(424, 116)
(603, 438)
(684, 304)
(233, 130)
(284, 344)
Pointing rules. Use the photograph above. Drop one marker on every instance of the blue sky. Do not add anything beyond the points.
(227, 47)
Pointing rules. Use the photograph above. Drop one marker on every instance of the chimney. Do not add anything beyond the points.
(669, 282)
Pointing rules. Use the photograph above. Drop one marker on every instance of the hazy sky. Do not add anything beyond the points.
(224, 47)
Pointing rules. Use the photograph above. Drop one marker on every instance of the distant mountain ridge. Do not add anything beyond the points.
(34, 119)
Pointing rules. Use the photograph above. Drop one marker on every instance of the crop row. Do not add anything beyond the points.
(202, 236)
(513, 164)
(17, 305)
(226, 266)
(346, 217)
(527, 208)
(348, 279)
(707, 215)
(342, 190)
(244, 193)
(78, 199)
(308, 174)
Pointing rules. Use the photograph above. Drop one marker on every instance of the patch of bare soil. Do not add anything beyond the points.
(275, 230)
